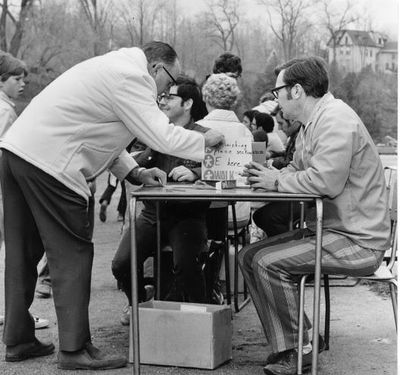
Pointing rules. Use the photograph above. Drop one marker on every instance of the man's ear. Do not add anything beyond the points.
(297, 91)
(187, 104)
(154, 67)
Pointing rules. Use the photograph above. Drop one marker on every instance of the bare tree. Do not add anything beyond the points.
(223, 18)
(3, 22)
(143, 18)
(290, 24)
(336, 20)
(97, 17)
(18, 22)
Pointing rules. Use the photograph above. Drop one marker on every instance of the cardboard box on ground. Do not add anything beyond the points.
(184, 334)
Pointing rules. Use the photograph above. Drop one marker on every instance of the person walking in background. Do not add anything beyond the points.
(105, 199)
(335, 158)
(12, 72)
(76, 128)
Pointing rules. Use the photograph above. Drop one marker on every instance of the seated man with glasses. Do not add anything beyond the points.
(183, 224)
(336, 158)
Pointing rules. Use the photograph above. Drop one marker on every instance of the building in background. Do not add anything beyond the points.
(354, 50)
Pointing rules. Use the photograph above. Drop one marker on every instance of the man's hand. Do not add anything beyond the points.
(260, 177)
(181, 173)
(213, 138)
(152, 176)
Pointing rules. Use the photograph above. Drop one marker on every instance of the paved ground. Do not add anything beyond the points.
(363, 339)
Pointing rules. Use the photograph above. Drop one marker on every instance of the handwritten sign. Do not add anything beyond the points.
(227, 162)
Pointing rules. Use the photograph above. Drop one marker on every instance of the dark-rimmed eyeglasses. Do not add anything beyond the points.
(170, 76)
(275, 90)
(166, 96)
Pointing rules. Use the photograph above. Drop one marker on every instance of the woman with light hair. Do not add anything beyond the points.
(221, 93)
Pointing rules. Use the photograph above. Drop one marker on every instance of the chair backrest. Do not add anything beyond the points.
(391, 180)
(243, 211)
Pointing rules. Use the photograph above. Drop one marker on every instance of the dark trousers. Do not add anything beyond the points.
(183, 228)
(273, 218)
(42, 213)
(108, 193)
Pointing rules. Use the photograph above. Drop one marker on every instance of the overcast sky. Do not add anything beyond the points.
(384, 14)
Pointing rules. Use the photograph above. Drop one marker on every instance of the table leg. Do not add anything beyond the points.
(134, 326)
(157, 271)
(317, 286)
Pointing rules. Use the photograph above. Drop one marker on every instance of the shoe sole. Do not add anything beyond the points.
(306, 368)
(27, 355)
(70, 366)
(43, 295)
(41, 326)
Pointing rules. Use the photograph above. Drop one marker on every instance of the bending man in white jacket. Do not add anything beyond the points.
(69, 134)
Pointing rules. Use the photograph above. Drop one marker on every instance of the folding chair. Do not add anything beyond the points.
(384, 274)
(236, 234)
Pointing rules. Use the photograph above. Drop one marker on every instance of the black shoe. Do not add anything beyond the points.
(286, 363)
(321, 347)
(89, 358)
(17, 353)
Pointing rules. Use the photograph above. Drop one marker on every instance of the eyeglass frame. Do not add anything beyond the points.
(275, 90)
(170, 76)
(166, 96)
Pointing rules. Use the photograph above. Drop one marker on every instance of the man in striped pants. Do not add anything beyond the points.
(336, 158)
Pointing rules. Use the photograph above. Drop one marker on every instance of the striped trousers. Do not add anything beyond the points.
(272, 267)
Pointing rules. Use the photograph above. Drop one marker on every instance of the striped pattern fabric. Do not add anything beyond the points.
(272, 267)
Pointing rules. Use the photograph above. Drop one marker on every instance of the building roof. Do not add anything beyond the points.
(390, 47)
(358, 37)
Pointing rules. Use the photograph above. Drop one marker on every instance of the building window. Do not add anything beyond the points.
(345, 40)
(387, 66)
(370, 53)
(348, 52)
(393, 56)
(380, 41)
(393, 66)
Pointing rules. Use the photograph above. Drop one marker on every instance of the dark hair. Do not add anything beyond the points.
(250, 114)
(228, 63)
(11, 66)
(260, 136)
(189, 89)
(265, 121)
(310, 72)
(158, 51)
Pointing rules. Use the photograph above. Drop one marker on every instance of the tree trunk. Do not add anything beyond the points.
(3, 22)
(15, 43)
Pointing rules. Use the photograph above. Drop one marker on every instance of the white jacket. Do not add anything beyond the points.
(81, 123)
